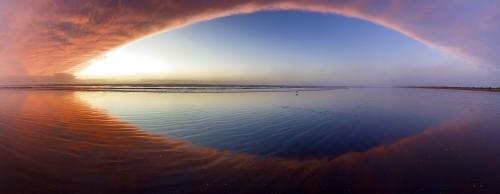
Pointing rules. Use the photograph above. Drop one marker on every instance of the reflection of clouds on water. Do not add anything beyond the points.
(52, 143)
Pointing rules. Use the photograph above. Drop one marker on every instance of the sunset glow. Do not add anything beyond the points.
(249, 96)
(120, 64)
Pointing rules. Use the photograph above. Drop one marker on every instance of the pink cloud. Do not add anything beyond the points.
(50, 36)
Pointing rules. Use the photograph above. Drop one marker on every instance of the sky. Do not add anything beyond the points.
(361, 42)
(281, 47)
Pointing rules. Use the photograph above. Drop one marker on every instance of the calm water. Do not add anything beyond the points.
(335, 141)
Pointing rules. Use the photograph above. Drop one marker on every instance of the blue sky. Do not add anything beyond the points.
(300, 48)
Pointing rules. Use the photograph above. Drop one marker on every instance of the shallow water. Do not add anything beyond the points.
(338, 141)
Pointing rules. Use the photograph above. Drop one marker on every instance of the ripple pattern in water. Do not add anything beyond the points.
(310, 124)
(55, 142)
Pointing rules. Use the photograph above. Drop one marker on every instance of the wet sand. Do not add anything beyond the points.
(51, 142)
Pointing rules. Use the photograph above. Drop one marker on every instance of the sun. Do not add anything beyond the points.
(120, 64)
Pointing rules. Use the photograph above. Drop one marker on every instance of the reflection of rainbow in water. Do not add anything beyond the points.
(50, 142)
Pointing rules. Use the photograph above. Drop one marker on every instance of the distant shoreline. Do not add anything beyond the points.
(171, 88)
(484, 89)
(167, 85)
(212, 88)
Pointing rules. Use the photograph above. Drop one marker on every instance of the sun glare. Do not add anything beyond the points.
(124, 65)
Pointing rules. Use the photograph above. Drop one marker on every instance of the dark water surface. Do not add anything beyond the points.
(336, 141)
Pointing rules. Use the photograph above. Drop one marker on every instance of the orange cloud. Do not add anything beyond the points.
(39, 37)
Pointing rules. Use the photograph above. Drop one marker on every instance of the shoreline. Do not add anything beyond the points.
(482, 89)
(173, 88)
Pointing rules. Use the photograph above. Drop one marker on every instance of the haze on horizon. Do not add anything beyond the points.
(296, 43)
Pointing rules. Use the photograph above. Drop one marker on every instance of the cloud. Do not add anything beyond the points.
(58, 78)
(51, 36)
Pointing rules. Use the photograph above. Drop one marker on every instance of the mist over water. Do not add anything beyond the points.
(338, 141)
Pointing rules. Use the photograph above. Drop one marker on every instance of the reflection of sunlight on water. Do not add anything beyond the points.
(313, 124)
(146, 99)
(50, 142)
